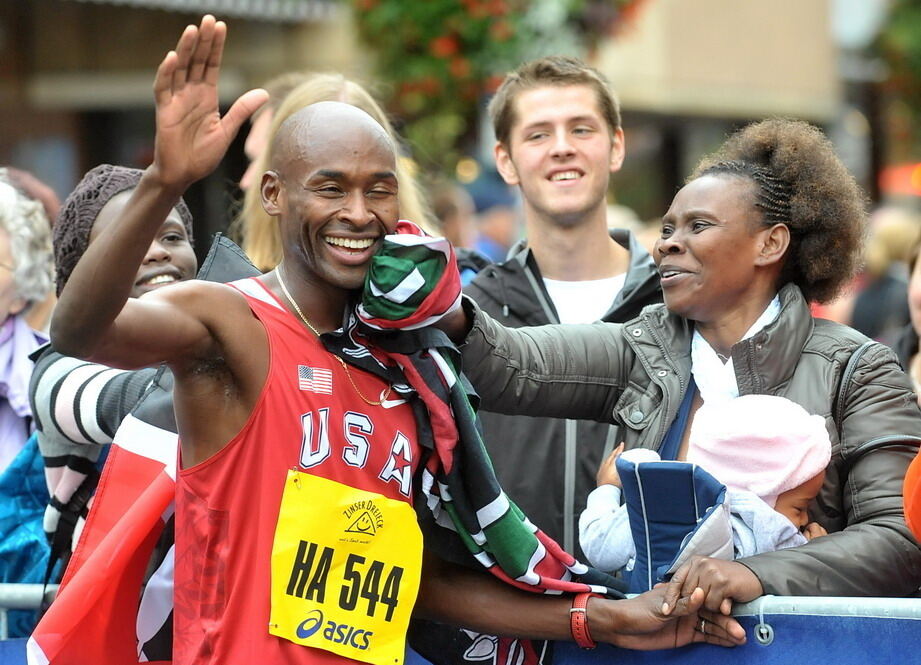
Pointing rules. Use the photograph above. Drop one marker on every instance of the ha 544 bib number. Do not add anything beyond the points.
(345, 569)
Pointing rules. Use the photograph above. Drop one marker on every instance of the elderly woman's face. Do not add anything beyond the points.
(10, 302)
(170, 257)
(707, 249)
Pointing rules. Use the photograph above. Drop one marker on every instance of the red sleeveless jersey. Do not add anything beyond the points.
(308, 417)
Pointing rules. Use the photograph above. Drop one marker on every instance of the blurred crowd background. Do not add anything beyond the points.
(75, 91)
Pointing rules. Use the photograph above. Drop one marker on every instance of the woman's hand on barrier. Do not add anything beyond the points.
(723, 582)
(646, 622)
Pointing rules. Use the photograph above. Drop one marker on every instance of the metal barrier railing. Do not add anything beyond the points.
(22, 597)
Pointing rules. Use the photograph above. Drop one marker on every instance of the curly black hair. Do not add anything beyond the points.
(801, 182)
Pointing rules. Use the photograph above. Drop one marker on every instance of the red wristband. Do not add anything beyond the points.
(578, 621)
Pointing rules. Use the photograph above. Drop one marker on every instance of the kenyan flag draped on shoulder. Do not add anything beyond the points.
(413, 282)
(407, 286)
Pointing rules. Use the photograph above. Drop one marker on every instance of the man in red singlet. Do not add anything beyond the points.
(295, 538)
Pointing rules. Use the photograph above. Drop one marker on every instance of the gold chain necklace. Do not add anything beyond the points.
(385, 393)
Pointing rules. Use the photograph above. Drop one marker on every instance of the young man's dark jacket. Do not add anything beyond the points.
(547, 466)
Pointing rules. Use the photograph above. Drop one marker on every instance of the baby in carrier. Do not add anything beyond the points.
(769, 453)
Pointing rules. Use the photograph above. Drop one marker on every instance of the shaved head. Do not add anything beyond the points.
(324, 124)
(333, 187)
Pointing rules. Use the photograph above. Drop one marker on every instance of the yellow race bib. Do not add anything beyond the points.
(345, 569)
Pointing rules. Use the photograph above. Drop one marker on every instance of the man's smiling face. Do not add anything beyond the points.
(561, 152)
(334, 189)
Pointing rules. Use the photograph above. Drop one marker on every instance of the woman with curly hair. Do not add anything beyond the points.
(768, 224)
(257, 230)
(26, 275)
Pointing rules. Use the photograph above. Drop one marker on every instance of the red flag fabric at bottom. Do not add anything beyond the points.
(101, 589)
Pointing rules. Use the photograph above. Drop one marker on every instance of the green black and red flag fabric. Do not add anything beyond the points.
(413, 281)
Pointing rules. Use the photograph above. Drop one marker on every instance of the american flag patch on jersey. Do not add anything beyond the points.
(315, 379)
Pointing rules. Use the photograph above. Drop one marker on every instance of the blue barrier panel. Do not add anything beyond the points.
(13, 652)
(800, 631)
(794, 631)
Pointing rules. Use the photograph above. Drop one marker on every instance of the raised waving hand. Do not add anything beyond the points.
(192, 137)
(94, 318)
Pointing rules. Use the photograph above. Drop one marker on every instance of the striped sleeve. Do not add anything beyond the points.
(74, 401)
(77, 406)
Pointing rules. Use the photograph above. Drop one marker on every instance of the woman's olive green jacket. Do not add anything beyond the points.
(635, 374)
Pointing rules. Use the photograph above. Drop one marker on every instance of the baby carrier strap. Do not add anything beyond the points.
(671, 442)
(676, 509)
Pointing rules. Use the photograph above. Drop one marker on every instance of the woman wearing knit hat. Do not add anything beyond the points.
(95, 203)
(768, 451)
(79, 405)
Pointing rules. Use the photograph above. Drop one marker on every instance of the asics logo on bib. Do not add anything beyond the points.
(338, 633)
(345, 634)
(310, 625)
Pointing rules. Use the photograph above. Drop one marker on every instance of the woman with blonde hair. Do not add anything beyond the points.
(256, 229)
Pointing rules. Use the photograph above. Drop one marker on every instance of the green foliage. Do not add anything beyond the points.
(900, 45)
(441, 57)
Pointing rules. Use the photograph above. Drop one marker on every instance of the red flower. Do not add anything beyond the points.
(492, 84)
(429, 85)
(477, 8)
(498, 8)
(459, 67)
(444, 46)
